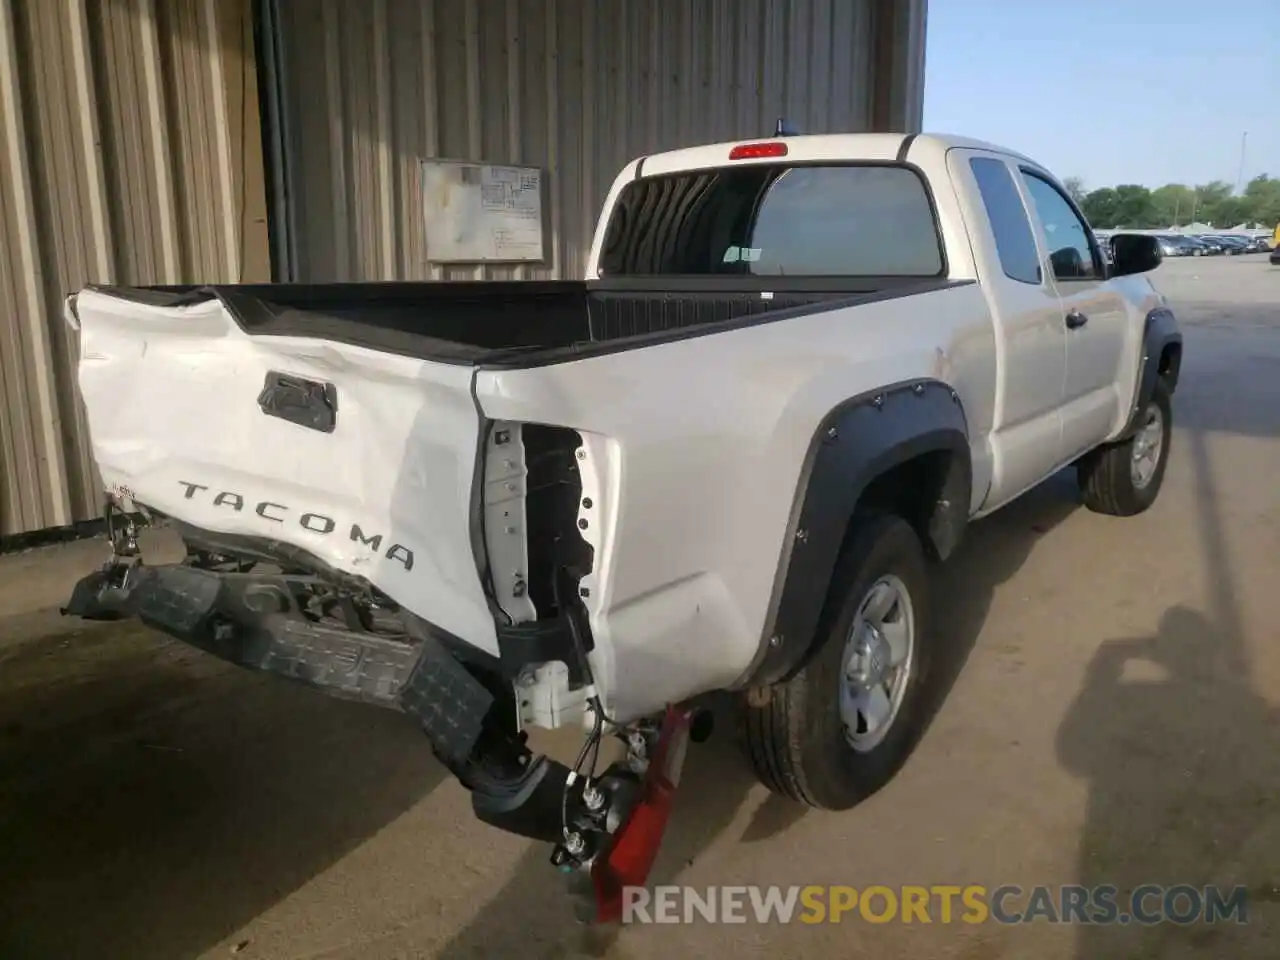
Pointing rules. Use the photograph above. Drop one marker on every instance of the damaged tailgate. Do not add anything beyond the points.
(363, 458)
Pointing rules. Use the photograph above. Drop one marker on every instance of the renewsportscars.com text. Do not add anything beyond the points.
(973, 904)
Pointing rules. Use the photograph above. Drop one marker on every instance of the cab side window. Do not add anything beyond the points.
(1071, 253)
(1015, 243)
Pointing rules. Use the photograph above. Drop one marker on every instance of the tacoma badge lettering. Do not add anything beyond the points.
(313, 522)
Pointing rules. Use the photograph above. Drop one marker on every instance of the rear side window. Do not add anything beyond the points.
(773, 220)
(1015, 243)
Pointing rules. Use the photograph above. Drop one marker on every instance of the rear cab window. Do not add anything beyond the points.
(1015, 241)
(776, 220)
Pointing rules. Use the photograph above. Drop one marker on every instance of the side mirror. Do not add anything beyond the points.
(1134, 253)
(1067, 263)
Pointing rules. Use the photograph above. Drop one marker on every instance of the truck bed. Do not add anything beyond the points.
(521, 322)
(380, 429)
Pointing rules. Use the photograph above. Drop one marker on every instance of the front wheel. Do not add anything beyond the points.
(1124, 479)
(840, 728)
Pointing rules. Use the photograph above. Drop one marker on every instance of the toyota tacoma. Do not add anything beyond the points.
(727, 460)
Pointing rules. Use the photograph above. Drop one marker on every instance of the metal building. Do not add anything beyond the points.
(166, 141)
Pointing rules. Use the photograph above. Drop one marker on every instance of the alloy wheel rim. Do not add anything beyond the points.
(1148, 443)
(879, 656)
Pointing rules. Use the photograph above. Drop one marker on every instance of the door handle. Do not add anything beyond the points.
(1076, 320)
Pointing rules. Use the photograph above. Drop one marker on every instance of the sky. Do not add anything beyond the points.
(1111, 91)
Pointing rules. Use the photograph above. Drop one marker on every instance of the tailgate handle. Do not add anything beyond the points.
(308, 403)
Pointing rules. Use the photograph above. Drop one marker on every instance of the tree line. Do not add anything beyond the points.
(1134, 206)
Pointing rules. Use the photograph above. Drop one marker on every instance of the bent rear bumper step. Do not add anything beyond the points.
(257, 621)
(240, 618)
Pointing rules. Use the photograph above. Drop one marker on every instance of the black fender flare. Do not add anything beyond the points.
(856, 442)
(1159, 331)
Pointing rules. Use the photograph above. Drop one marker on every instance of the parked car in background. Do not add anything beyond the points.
(1196, 247)
(1104, 246)
(1252, 244)
(1231, 246)
(1211, 243)
(1176, 245)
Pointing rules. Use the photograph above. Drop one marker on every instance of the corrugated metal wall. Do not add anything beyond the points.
(130, 147)
(577, 87)
(123, 158)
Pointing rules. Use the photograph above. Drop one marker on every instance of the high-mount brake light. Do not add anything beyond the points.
(754, 151)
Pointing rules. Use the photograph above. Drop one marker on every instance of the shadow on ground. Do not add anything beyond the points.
(1184, 787)
(1180, 755)
(154, 800)
(531, 916)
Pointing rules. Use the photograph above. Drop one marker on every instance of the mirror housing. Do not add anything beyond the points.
(1067, 263)
(1134, 253)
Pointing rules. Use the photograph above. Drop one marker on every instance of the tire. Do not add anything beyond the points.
(1108, 480)
(797, 739)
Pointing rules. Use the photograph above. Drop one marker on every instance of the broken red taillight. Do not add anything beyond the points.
(757, 151)
(635, 846)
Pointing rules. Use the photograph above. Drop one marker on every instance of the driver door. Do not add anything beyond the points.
(1094, 314)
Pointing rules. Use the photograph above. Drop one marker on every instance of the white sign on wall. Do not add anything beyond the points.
(477, 213)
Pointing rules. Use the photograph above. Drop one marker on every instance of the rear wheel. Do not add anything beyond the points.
(840, 728)
(1124, 479)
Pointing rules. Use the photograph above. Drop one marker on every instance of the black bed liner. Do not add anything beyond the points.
(524, 323)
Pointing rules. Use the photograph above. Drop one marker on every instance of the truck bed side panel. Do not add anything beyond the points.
(694, 448)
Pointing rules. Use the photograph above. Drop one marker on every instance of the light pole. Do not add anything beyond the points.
(1244, 137)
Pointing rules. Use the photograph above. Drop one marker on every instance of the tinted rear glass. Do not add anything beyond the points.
(775, 220)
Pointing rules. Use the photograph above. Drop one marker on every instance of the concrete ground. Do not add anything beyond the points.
(1113, 717)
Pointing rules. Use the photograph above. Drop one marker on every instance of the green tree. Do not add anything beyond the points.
(1262, 196)
(1099, 207)
(1176, 204)
(1231, 211)
(1173, 203)
(1134, 207)
(1210, 198)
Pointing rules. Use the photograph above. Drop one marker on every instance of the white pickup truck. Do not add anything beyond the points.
(725, 461)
